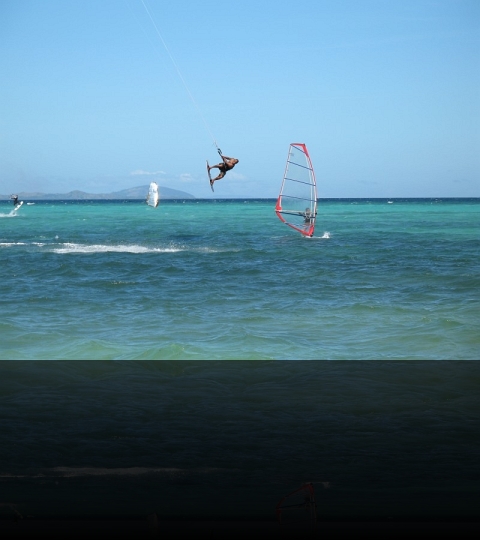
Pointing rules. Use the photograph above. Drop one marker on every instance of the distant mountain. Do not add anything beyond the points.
(139, 192)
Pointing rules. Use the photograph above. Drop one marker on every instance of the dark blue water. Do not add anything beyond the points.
(229, 439)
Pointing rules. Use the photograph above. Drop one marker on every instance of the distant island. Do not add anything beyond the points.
(137, 193)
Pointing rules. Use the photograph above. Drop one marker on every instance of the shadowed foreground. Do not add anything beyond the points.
(151, 527)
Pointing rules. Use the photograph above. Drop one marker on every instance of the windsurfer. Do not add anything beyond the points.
(227, 165)
(308, 215)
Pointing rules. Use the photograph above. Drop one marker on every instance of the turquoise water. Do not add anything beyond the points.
(224, 280)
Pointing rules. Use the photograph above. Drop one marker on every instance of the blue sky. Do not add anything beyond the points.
(385, 93)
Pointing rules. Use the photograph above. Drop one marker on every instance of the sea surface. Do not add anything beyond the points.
(225, 279)
(94, 293)
(185, 440)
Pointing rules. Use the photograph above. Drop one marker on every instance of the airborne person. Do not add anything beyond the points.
(227, 165)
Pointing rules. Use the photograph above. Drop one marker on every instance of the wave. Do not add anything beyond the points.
(96, 248)
(104, 248)
(128, 248)
(325, 235)
(67, 247)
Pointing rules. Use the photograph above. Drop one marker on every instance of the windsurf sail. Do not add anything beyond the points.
(297, 202)
(153, 196)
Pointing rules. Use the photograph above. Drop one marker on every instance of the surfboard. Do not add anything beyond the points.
(209, 176)
(297, 202)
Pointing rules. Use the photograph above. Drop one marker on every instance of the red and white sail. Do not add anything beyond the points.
(297, 202)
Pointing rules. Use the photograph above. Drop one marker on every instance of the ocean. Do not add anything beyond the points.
(216, 440)
(351, 362)
(225, 279)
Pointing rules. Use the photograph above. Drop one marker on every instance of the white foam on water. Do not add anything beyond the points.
(215, 250)
(325, 235)
(13, 213)
(101, 248)
(69, 247)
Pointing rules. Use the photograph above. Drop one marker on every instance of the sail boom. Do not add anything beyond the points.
(297, 198)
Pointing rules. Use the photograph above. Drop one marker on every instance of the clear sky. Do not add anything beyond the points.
(385, 93)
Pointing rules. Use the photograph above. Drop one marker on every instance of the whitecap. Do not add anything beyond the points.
(103, 248)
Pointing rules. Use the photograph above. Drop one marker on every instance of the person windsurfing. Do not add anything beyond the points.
(307, 215)
(227, 165)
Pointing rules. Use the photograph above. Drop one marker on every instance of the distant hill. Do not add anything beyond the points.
(139, 192)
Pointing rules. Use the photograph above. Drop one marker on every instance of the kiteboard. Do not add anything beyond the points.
(17, 206)
(209, 175)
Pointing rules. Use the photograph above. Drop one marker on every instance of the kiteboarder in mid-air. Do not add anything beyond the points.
(14, 199)
(227, 165)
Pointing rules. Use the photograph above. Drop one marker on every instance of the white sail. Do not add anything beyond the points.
(297, 202)
(153, 196)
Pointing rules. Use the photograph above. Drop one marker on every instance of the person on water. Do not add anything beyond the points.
(227, 165)
(308, 215)
(15, 199)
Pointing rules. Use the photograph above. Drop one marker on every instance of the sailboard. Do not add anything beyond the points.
(297, 202)
(153, 196)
